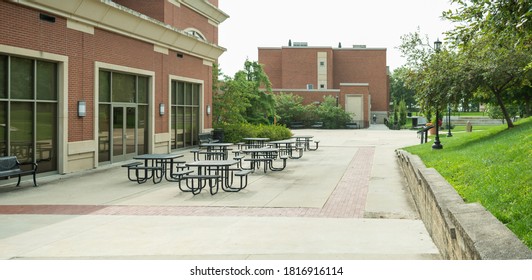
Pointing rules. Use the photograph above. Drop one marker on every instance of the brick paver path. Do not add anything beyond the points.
(348, 200)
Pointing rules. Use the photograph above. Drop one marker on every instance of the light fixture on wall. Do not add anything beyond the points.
(82, 108)
(161, 109)
(208, 109)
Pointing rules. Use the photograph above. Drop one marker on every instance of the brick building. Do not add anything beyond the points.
(357, 77)
(84, 83)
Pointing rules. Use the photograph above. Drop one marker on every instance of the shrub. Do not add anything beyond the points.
(233, 133)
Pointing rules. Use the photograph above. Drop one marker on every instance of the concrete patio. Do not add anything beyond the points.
(346, 200)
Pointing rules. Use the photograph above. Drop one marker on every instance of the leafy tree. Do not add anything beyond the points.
(398, 88)
(245, 98)
(262, 104)
(231, 101)
(331, 115)
(402, 111)
(289, 108)
(495, 38)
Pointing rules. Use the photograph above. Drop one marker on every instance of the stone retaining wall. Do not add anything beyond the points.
(460, 230)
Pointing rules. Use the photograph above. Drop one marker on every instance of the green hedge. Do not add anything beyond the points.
(233, 133)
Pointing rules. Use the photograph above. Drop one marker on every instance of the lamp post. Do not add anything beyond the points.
(449, 134)
(437, 145)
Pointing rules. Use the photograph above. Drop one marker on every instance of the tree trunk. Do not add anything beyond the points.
(503, 109)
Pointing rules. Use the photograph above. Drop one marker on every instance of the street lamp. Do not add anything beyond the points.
(437, 145)
(449, 134)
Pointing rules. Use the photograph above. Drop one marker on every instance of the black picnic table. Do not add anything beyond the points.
(211, 172)
(157, 167)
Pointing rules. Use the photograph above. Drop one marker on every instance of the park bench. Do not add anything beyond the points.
(11, 167)
(351, 125)
(317, 125)
(296, 125)
(206, 138)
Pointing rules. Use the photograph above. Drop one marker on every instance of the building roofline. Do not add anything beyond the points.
(107, 15)
(319, 47)
(305, 90)
(355, 84)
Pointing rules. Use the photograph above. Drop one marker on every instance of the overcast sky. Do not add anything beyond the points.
(374, 23)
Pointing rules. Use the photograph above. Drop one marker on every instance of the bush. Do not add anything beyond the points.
(290, 109)
(233, 133)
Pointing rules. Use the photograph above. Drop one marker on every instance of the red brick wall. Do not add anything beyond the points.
(151, 8)
(360, 90)
(22, 28)
(180, 17)
(295, 67)
(272, 61)
(364, 66)
(300, 68)
(183, 18)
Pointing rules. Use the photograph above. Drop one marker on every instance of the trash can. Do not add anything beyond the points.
(414, 121)
(218, 134)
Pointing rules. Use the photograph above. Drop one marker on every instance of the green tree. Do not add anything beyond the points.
(245, 98)
(398, 88)
(231, 100)
(495, 38)
(402, 111)
(331, 115)
(262, 103)
(289, 108)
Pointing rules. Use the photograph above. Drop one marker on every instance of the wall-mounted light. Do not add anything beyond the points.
(161, 109)
(82, 108)
(208, 109)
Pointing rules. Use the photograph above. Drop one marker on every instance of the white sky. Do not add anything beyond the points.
(374, 23)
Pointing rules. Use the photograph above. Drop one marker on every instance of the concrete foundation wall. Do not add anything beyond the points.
(460, 230)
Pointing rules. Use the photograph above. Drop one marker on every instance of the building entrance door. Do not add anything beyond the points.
(354, 106)
(124, 136)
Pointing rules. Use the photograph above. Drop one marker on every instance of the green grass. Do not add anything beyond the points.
(492, 166)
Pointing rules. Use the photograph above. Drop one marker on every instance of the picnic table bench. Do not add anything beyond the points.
(11, 167)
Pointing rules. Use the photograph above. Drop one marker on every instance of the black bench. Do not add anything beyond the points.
(317, 125)
(150, 172)
(243, 174)
(316, 142)
(255, 163)
(296, 125)
(206, 138)
(352, 125)
(11, 167)
(201, 181)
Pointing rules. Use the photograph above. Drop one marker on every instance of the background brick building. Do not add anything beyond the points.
(90, 82)
(357, 76)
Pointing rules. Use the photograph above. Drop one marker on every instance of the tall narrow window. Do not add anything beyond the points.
(29, 110)
(185, 114)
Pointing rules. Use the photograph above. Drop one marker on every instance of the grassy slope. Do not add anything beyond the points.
(493, 167)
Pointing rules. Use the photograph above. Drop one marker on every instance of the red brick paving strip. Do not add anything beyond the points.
(348, 200)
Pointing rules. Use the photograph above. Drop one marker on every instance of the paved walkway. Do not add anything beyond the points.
(344, 201)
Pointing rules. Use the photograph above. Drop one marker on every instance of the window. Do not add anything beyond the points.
(310, 86)
(28, 110)
(185, 120)
(322, 63)
(196, 34)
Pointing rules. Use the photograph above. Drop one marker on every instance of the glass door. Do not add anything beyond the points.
(124, 136)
